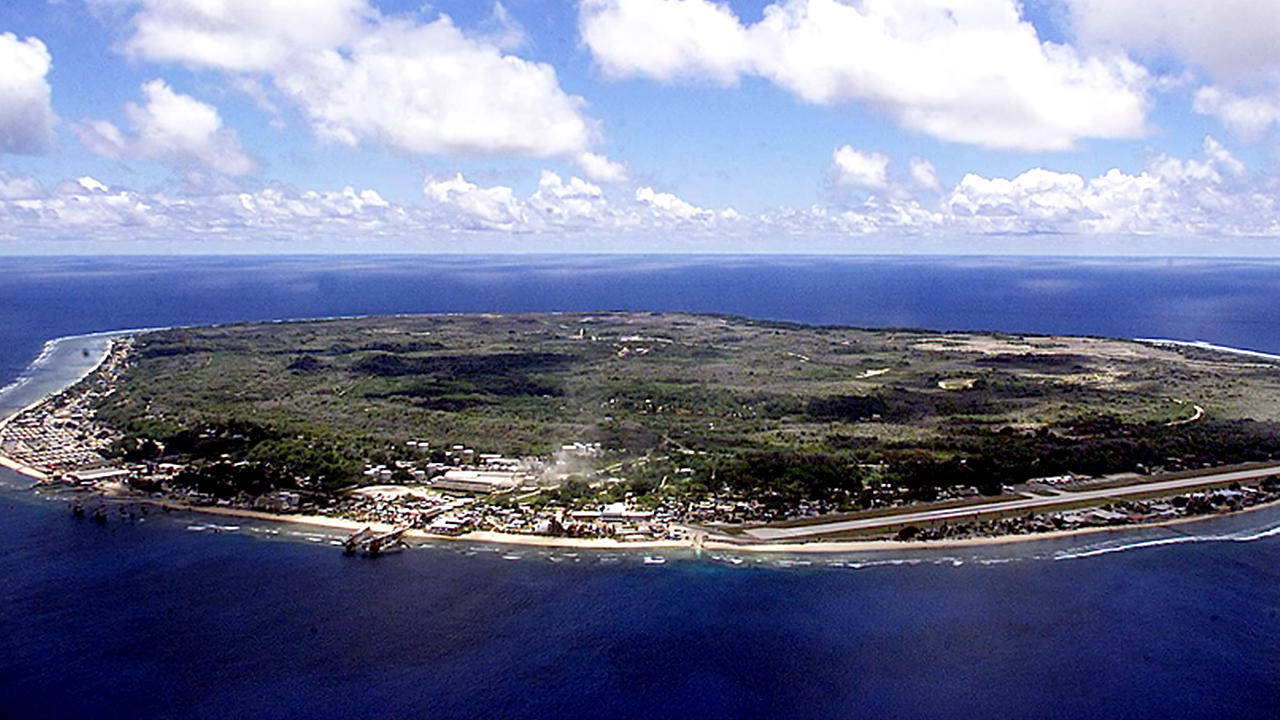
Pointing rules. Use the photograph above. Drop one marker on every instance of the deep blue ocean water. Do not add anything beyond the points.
(155, 619)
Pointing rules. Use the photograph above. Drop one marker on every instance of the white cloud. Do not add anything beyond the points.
(86, 208)
(972, 72)
(563, 205)
(274, 207)
(1232, 40)
(359, 77)
(575, 202)
(1172, 196)
(1036, 200)
(80, 205)
(860, 169)
(602, 169)
(1209, 196)
(1219, 155)
(491, 207)
(1249, 115)
(19, 187)
(86, 183)
(243, 35)
(173, 129)
(26, 115)
(924, 175)
(666, 39)
(430, 89)
(671, 207)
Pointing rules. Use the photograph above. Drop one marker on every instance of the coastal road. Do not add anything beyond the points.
(1037, 503)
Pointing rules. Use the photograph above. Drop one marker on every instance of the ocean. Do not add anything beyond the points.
(173, 616)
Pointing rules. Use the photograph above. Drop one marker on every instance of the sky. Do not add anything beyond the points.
(1127, 127)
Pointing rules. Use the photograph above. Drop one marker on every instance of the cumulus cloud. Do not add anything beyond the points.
(1211, 195)
(427, 88)
(1193, 197)
(80, 205)
(1233, 42)
(86, 208)
(26, 114)
(860, 169)
(359, 77)
(560, 205)
(666, 39)
(973, 72)
(924, 175)
(243, 35)
(491, 207)
(602, 169)
(173, 129)
(576, 202)
(1248, 115)
(672, 207)
(19, 187)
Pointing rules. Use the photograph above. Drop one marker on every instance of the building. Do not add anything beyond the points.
(475, 481)
(102, 474)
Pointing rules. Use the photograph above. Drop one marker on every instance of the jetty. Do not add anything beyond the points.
(372, 544)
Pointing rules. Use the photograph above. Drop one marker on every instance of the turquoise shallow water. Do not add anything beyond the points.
(164, 617)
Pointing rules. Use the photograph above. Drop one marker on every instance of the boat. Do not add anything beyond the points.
(654, 560)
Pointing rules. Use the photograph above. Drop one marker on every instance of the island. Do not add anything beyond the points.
(659, 429)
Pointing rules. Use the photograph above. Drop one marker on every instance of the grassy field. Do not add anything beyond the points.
(692, 402)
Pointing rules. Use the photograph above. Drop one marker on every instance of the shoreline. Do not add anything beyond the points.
(46, 351)
(1205, 345)
(547, 541)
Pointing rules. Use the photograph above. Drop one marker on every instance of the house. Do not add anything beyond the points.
(279, 501)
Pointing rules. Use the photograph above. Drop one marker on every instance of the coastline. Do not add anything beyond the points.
(1204, 345)
(548, 541)
(47, 351)
(699, 540)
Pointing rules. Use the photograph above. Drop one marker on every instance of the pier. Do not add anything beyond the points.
(372, 544)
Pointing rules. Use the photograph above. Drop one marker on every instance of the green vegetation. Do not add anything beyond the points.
(682, 404)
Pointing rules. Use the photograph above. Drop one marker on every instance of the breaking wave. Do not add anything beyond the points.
(1244, 536)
